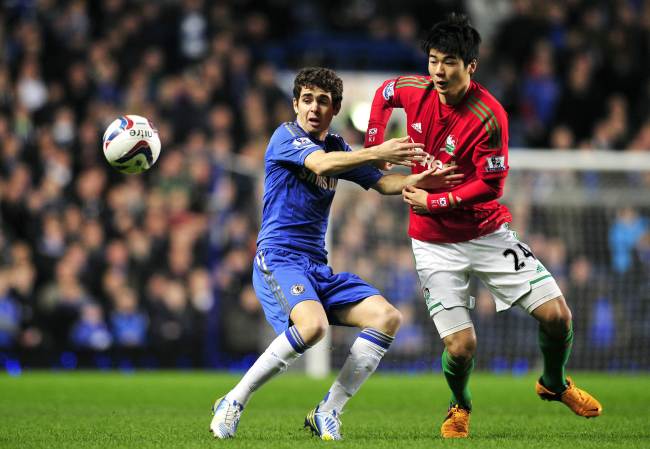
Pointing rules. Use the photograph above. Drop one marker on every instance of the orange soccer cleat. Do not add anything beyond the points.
(581, 402)
(456, 424)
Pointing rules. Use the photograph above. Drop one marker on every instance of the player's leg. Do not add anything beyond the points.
(287, 297)
(443, 270)
(351, 301)
(457, 333)
(310, 326)
(510, 270)
(555, 341)
(379, 322)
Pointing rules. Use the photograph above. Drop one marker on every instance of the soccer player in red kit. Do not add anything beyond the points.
(464, 230)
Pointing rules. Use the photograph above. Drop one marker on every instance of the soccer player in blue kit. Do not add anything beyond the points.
(300, 294)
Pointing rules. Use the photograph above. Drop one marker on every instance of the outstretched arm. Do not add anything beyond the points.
(396, 151)
(433, 178)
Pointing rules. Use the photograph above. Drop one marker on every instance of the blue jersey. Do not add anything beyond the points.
(296, 200)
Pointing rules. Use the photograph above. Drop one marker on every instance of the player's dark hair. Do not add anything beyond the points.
(454, 36)
(322, 78)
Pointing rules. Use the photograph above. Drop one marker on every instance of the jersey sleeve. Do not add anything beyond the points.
(386, 98)
(491, 154)
(289, 147)
(366, 175)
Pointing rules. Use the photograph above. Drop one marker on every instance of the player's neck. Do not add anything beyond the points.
(318, 135)
(452, 99)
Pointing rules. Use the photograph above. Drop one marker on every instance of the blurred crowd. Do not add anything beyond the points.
(102, 269)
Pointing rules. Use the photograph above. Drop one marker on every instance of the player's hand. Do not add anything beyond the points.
(401, 151)
(436, 178)
(416, 198)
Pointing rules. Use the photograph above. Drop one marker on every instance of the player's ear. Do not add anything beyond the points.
(295, 106)
(471, 68)
(337, 108)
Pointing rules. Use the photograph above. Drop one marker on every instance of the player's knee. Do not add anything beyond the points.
(383, 317)
(312, 331)
(391, 320)
(558, 322)
(461, 349)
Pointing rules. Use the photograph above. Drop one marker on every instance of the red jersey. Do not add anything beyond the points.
(472, 134)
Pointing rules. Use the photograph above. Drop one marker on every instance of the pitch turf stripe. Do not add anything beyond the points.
(535, 281)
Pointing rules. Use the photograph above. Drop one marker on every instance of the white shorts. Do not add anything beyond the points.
(504, 264)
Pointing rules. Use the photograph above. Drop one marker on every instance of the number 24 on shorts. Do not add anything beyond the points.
(525, 251)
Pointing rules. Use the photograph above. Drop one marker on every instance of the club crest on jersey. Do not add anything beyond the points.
(496, 164)
(389, 90)
(450, 144)
(417, 126)
(297, 289)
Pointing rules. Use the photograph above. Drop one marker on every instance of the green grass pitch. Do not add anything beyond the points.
(172, 410)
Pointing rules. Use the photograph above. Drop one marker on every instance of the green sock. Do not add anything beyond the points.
(457, 375)
(556, 352)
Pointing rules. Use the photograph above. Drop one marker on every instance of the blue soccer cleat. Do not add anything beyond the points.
(226, 418)
(325, 425)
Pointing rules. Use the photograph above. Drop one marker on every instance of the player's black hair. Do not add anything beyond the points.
(322, 78)
(454, 36)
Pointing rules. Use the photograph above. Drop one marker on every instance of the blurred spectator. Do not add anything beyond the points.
(625, 233)
(10, 317)
(166, 256)
(91, 332)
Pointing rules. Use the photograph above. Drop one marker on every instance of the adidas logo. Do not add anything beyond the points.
(417, 126)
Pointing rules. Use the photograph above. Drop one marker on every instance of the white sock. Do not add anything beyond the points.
(365, 354)
(282, 352)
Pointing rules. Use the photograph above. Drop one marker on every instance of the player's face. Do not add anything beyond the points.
(315, 110)
(450, 75)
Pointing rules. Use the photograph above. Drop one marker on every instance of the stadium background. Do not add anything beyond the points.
(103, 270)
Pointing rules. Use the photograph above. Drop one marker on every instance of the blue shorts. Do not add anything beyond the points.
(282, 279)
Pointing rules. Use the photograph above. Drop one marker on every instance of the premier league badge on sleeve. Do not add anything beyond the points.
(496, 163)
(389, 90)
(300, 142)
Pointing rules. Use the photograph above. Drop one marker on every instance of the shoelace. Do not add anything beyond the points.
(232, 415)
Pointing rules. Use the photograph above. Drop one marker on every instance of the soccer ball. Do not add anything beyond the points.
(131, 144)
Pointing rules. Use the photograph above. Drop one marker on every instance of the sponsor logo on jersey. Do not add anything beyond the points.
(300, 142)
(389, 90)
(496, 164)
(297, 289)
(417, 126)
(372, 132)
(324, 182)
(430, 161)
(450, 144)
